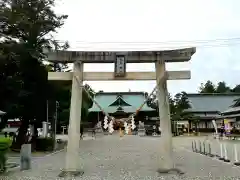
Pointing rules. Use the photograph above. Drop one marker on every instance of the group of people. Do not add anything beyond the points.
(224, 131)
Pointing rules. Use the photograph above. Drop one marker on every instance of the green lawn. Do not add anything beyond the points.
(4, 139)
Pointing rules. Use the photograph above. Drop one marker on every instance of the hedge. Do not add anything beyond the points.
(45, 144)
(5, 144)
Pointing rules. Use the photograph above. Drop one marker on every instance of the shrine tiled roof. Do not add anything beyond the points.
(113, 102)
(211, 102)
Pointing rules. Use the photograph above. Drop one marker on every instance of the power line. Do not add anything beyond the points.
(157, 45)
(155, 42)
(166, 47)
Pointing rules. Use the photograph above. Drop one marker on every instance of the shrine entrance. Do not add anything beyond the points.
(160, 58)
(118, 124)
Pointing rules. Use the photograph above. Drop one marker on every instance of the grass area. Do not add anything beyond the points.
(5, 140)
(34, 154)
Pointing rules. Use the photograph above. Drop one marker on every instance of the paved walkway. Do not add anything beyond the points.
(129, 158)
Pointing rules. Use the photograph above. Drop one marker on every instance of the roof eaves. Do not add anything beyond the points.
(233, 109)
(212, 94)
(122, 93)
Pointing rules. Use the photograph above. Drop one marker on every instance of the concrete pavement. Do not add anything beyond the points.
(130, 157)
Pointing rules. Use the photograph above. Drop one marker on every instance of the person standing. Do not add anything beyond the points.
(222, 130)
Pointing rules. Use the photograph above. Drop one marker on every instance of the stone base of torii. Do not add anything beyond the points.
(161, 75)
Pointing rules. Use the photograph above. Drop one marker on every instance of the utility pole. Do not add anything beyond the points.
(47, 111)
(55, 124)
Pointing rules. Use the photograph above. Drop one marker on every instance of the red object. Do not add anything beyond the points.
(14, 123)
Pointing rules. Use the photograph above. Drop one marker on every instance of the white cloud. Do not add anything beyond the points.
(158, 21)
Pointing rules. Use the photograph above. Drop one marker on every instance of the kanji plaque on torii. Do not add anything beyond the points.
(120, 66)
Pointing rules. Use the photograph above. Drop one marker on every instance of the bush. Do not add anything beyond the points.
(5, 144)
(45, 144)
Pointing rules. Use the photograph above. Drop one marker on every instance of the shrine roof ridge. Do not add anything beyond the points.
(122, 93)
(136, 56)
(212, 94)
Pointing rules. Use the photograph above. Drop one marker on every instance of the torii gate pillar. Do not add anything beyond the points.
(72, 156)
(166, 159)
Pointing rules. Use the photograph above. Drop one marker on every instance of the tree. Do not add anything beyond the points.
(177, 104)
(236, 89)
(222, 88)
(10, 82)
(171, 104)
(63, 96)
(181, 103)
(26, 28)
(208, 87)
(236, 103)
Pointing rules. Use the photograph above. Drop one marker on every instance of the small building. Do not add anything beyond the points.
(1, 114)
(121, 105)
(12, 125)
(210, 107)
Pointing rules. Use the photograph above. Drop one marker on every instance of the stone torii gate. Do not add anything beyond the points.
(160, 58)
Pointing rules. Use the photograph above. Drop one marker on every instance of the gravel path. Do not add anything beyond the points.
(129, 158)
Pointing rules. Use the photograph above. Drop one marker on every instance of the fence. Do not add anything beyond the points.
(227, 151)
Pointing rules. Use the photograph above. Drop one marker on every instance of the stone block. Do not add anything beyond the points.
(25, 157)
(141, 132)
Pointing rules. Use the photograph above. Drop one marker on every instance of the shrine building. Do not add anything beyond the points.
(214, 106)
(121, 105)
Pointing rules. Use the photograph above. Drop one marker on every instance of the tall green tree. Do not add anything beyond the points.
(222, 88)
(181, 103)
(177, 104)
(64, 98)
(208, 87)
(26, 28)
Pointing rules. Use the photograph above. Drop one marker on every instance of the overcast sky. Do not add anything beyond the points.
(92, 21)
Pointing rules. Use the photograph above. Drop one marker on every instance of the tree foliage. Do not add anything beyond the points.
(30, 23)
(208, 87)
(236, 103)
(177, 104)
(236, 89)
(26, 30)
(64, 99)
(221, 87)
